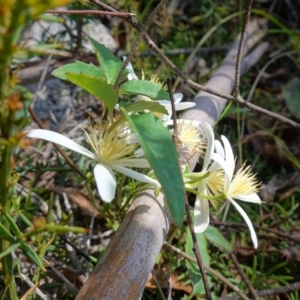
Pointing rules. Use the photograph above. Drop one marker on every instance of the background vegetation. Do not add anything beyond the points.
(195, 35)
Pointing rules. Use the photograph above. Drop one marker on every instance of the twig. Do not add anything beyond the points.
(137, 25)
(33, 288)
(279, 233)
(208, 269)
(175, 132)
(79, 251)
(143, 30)
(260, 74)
(270, 292)
(240, 50)
(244, 276)
(71, 288)
(158, 286)
(87, 12)
(187, 206)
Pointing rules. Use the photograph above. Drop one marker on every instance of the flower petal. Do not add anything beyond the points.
(131, 75)
(201, 215)
(209, 146)
(247, 220)
(177, 97)
(59, 139)
(185, 121)
(228, 156)
(219, 149)
(106, 182)
(178, 106)
(136, 175)
(132, 162)
(253, 198)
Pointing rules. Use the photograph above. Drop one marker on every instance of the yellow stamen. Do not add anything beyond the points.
(244, 182)
(109, 145)
(190, 136)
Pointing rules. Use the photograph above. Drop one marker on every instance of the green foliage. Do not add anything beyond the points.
(146, 88)
(216, 238)
(109, 64)
(78, 68)
(291, 94)
(162, 155)
(193, 269)
(97, 87)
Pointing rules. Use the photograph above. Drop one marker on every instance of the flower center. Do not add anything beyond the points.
(244, 182)
(109, 145)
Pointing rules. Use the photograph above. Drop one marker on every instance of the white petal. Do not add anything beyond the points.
(132, 162)
(139, 152)
(201, 215)
(247, 220)
(219, 148)
(131, 75)
(253, 198)
(59, 139)
(135, 175)
(228, 155)
(177, 97)
(209, 147)
(178, 106)
(219, 162)
(106, 182)
(184, 121)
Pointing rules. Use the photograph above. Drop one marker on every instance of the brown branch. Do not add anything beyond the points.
(144, 29)
(208, 269)
(270, 292)
(277, 232)
(240, 50)
(87, 12)
(138, 26)
(244, 276)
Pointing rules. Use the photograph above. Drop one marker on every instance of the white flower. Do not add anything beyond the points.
(111, 152)
(243, 186)
(211, 184)
(166, 103)
(190, 138)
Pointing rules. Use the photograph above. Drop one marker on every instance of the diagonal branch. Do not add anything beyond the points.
(211, 90)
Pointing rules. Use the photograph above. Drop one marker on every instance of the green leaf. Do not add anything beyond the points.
(13, 226)
(10, 249)
(146, 88)
(193, 268)
(144, 105)
(31, 254)
(110, 64)
(291, 94)
(78, 68)
(5, 234)
(162, 155)
(215, 237)
(97, 87)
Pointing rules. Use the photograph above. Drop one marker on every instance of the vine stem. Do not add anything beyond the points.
(187, 206)
(138, 40)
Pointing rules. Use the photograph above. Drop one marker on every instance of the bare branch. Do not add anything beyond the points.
(239, 56)
(88, 12)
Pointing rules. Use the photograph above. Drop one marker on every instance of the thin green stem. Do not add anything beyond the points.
(6, 261)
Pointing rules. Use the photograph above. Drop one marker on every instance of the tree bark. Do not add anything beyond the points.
(123, 270)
